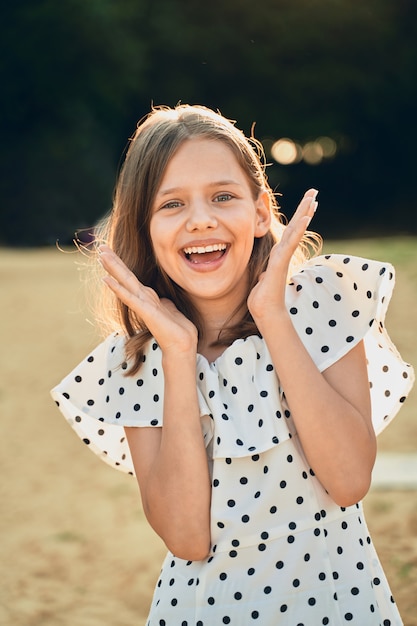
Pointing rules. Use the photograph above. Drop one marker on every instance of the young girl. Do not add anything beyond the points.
(243, 385)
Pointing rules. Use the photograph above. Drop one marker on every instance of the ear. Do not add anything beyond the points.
(263, 214)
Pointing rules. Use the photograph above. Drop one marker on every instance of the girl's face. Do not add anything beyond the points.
(204, 221)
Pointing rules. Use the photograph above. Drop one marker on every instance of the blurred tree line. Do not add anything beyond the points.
(76, 76)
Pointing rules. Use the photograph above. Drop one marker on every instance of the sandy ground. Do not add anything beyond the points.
(75, 547)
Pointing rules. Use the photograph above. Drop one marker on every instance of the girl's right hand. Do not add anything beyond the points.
(173, 332)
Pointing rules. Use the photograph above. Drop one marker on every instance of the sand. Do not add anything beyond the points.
(75, 547)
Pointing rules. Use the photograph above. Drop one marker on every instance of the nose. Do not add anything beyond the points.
(200, 216)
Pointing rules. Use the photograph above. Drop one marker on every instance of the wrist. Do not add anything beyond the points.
(179, 359)
(271, 320)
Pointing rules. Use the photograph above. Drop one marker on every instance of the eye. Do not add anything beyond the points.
(223, 197)
(172, 204)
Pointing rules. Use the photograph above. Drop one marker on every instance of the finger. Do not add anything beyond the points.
(307, 206)
(301, 219)
(118, 270)
(132, 300)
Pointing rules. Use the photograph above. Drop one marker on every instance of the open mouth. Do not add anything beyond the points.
(205, 254)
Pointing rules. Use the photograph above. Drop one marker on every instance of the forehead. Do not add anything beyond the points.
(202, 158)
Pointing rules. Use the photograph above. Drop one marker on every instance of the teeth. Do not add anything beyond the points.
(203, 249)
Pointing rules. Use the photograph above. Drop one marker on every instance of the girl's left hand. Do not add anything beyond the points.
(268, 295)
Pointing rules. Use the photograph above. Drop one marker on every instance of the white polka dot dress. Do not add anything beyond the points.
(283, 553)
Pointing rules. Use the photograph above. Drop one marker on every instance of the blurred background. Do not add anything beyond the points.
(331, 86)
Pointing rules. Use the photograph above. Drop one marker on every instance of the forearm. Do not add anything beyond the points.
(335, 432)
(177, 492)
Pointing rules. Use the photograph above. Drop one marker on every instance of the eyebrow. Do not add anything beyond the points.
(217, 183)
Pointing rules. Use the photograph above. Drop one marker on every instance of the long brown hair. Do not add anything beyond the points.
(127, 229)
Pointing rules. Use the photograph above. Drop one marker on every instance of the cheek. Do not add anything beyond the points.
(160, 243)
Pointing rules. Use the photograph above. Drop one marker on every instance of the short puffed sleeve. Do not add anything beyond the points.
(98, 399)
(335, 302)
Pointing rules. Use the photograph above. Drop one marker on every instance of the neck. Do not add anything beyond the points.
(214, 320)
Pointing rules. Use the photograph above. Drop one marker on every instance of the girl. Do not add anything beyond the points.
(235, 385)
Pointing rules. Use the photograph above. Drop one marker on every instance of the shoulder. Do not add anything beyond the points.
(334, 300)
(101, 387)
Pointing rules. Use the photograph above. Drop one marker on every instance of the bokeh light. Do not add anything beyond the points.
(286, 151)
(312, 153)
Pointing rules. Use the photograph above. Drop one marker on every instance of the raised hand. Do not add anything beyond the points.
(267, 297)
(171, 329)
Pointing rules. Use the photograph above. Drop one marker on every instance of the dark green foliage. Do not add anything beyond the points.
(76, 76)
